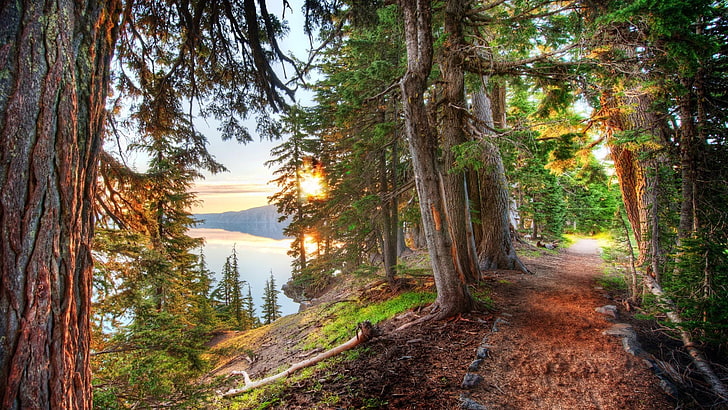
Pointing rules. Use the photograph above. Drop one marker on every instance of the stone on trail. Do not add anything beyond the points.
(470, 404)
(498, 321)
(609, 310)
(629, 338)
(475, 365)
(482, 352)
(471, 380)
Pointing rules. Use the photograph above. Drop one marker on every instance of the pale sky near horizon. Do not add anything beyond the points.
(246, 184)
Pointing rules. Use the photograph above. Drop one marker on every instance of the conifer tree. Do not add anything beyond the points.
(292, 157)
(249, 309)
(271, 309)
(229, 294)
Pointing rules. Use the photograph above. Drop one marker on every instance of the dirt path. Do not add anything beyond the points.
(551, 353)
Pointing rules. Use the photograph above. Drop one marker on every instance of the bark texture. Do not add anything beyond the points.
(452, 293)
(633, 162)
(453, 134)
(495, 246)
(54, 60)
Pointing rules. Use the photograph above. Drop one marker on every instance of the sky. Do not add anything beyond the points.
(246, 184)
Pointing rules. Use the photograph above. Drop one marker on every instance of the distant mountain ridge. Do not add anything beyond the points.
(260, 221)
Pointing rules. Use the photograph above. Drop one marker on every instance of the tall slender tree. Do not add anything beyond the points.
(496, 248)
(453, 296)
(271, 310)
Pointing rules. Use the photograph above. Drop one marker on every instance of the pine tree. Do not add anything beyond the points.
(229, 294)
(249, 308)
(292, 158)
(271, 308)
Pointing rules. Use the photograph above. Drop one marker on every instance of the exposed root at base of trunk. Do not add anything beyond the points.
(437, 313)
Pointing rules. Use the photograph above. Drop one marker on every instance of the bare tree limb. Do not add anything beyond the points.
(699, 360)
(365, 332)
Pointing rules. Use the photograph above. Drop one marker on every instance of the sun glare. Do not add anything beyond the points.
(312, 183)
(310, 244)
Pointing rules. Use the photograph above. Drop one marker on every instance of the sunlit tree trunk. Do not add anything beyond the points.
(452, 293)
(54, 60)
(633, 162)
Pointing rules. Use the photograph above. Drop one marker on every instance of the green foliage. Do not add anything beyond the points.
(347, 315)
(468, 155)
(161, 355)
(590, 199)
(271, 310)
(701, 288)
(234, 309)
(612, 282)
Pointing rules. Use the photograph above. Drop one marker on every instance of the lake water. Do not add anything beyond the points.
(257, 258)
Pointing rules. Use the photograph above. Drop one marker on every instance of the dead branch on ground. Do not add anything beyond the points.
(365, 331)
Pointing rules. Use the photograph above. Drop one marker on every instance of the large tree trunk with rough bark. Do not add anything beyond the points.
(452, 293)
(453, 134)
(54, 60)
(495, 246)
(634, 163)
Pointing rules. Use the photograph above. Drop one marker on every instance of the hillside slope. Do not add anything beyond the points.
(542, 346)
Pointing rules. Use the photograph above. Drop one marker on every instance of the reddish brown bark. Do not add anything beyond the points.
(54, 60)
(634, 168)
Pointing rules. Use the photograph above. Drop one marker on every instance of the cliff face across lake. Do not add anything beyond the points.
(260, 221)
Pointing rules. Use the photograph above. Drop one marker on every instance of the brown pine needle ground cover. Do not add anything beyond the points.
(543, 345)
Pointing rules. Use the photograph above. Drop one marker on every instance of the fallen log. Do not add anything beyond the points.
(365, 331)
(699, 360)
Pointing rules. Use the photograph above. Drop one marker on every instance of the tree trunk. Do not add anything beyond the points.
(452, 293)
(495, 249)
(688, 170)
(635, 169)
(388, 220)
(453, 134)
(55, 59)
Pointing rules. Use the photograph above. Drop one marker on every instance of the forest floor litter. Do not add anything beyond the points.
(544, 345)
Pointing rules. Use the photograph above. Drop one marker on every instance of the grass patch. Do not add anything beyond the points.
(612, 282)
(483, 296)
(261, 398)
(346, 316)
(568, 239)
(530, 253)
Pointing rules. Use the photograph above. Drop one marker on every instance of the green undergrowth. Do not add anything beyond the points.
(334, 323)
(482, 294)
(345, 315)
(613, 278)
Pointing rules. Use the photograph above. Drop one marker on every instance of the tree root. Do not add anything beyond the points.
(365, 331)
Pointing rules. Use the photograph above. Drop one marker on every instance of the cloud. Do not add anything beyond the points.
(233, 189)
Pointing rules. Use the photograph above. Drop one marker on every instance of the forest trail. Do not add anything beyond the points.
(552, 353)
(545, 350)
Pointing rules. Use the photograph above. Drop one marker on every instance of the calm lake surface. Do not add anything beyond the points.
(257, 258)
